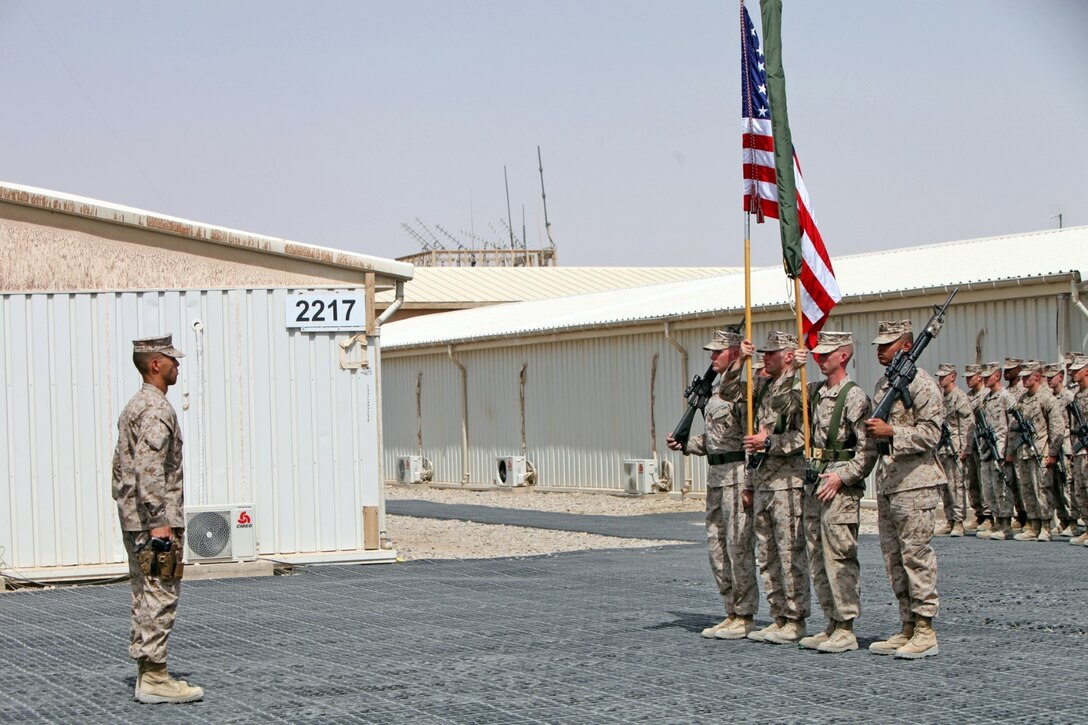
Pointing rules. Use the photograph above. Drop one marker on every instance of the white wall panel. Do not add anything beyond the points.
(283, 425)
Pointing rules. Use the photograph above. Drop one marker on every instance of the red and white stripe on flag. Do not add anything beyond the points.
(819, 288)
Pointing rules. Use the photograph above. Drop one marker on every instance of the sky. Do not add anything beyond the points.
(334, 123)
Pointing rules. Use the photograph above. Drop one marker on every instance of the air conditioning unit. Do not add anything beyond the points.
(514, 471)
(410, 469)
(220, 533)
(639, 475)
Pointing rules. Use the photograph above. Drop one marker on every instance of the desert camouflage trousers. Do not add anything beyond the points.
(1031, 477)
(972, 481)
(905, 521)
(996, 494)
(779, 529)
(1079, 470)
(731, 545)
(1059, 493)
(831, 537)
(953, 490)
(154, 603)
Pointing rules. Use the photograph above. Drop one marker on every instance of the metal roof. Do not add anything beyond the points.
(128, 216)
(475, 286)
(973, 263)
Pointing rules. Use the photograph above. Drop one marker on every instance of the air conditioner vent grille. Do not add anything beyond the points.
(207, 534)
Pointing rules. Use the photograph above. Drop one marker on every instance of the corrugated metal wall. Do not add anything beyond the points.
(588, 402)
(284, 427)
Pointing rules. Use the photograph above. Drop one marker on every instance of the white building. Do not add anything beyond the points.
(579, 384)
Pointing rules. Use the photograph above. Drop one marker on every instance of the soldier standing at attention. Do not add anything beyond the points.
(1013, 390)
(832, 505)
(728, 522)
(907, 477)
(957, 412)
(996, 491)
(776, 486)
(1078, 370)
(148, 488)
(976, 392)
(1034, 442)
(1060, 487)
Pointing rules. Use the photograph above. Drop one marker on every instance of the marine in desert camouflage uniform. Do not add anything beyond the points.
(906, 479)
(957, 411)
(149, 491)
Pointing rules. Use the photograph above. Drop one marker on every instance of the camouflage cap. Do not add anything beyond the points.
(1053, 369)
(831, 341)
(163, 345)
(1079, 361)
(890, 331)
(945, 369)
(988, 369)
(757, 362)
(1031, 366)
(1068, 357)
(724, 339)
(1012, 362)
(972, 369)
(778, 340)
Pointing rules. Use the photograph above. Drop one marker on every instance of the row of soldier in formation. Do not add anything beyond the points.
(805, 514)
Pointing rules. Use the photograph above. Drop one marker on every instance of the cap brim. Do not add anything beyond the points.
(712, 346)
(885, 339)
(825, 349)
(173, 352)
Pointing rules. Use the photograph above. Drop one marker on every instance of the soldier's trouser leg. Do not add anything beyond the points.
(1030, 476)
(717, 528)
(740, 547)
(1014, 491)
(779, 528)
(154, 604)
(1059, 490)
(953, 494)
(905, 522)
(1080, 484)
(973, 485)
(995, 490)
(831, 538)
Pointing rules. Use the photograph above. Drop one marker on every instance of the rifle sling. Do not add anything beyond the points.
(832, 445)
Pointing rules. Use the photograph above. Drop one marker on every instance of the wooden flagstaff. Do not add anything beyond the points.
(748, 309)
(804, 377)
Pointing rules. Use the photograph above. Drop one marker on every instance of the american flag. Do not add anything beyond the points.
(819, 289)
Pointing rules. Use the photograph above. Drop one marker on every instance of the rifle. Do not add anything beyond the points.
(1079, 429)
(697, 395)
(985, 434)
(903, 369)
(946, 440)
(1026, 431)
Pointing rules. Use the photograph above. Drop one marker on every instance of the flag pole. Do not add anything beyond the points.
(748, 308)
(804, 377)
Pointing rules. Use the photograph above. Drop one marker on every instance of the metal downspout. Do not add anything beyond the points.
(392, 309)
(684, 372)
(464, 414)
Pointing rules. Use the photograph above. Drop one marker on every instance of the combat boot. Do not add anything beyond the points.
(1067, 531)
(737, 629)
(984, 529)
(970, 527)
(155, 685)
(1015, 524)
(891, 644)
(712, 630)
(944, 530)
(1029, 532)
(957, 529)
(1043, 531)
(841, 640)
(815, 640)
(790, 633)
(759, 635)
(1079, 540)
(922, 644)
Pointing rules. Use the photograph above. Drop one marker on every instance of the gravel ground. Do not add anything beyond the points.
(425, 538)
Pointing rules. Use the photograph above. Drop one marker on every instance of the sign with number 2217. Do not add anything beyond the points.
(331, 311)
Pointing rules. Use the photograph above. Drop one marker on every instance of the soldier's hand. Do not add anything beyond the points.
(800, 357)
(746, 499)
(747, 349)
(963, 456)
(1008, 459)
(162, 532)
(829, 486)
(878, 428)
(673, 443)
(1051, 461)
(756, 443)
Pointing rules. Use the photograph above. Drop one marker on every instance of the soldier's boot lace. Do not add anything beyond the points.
(815, 640)
(738, 629)
(712, 630)
(759, 635)
(155, 685)
(841, 640)
(957, 529)
(922, 644)
(891, 644)
(790, 633)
